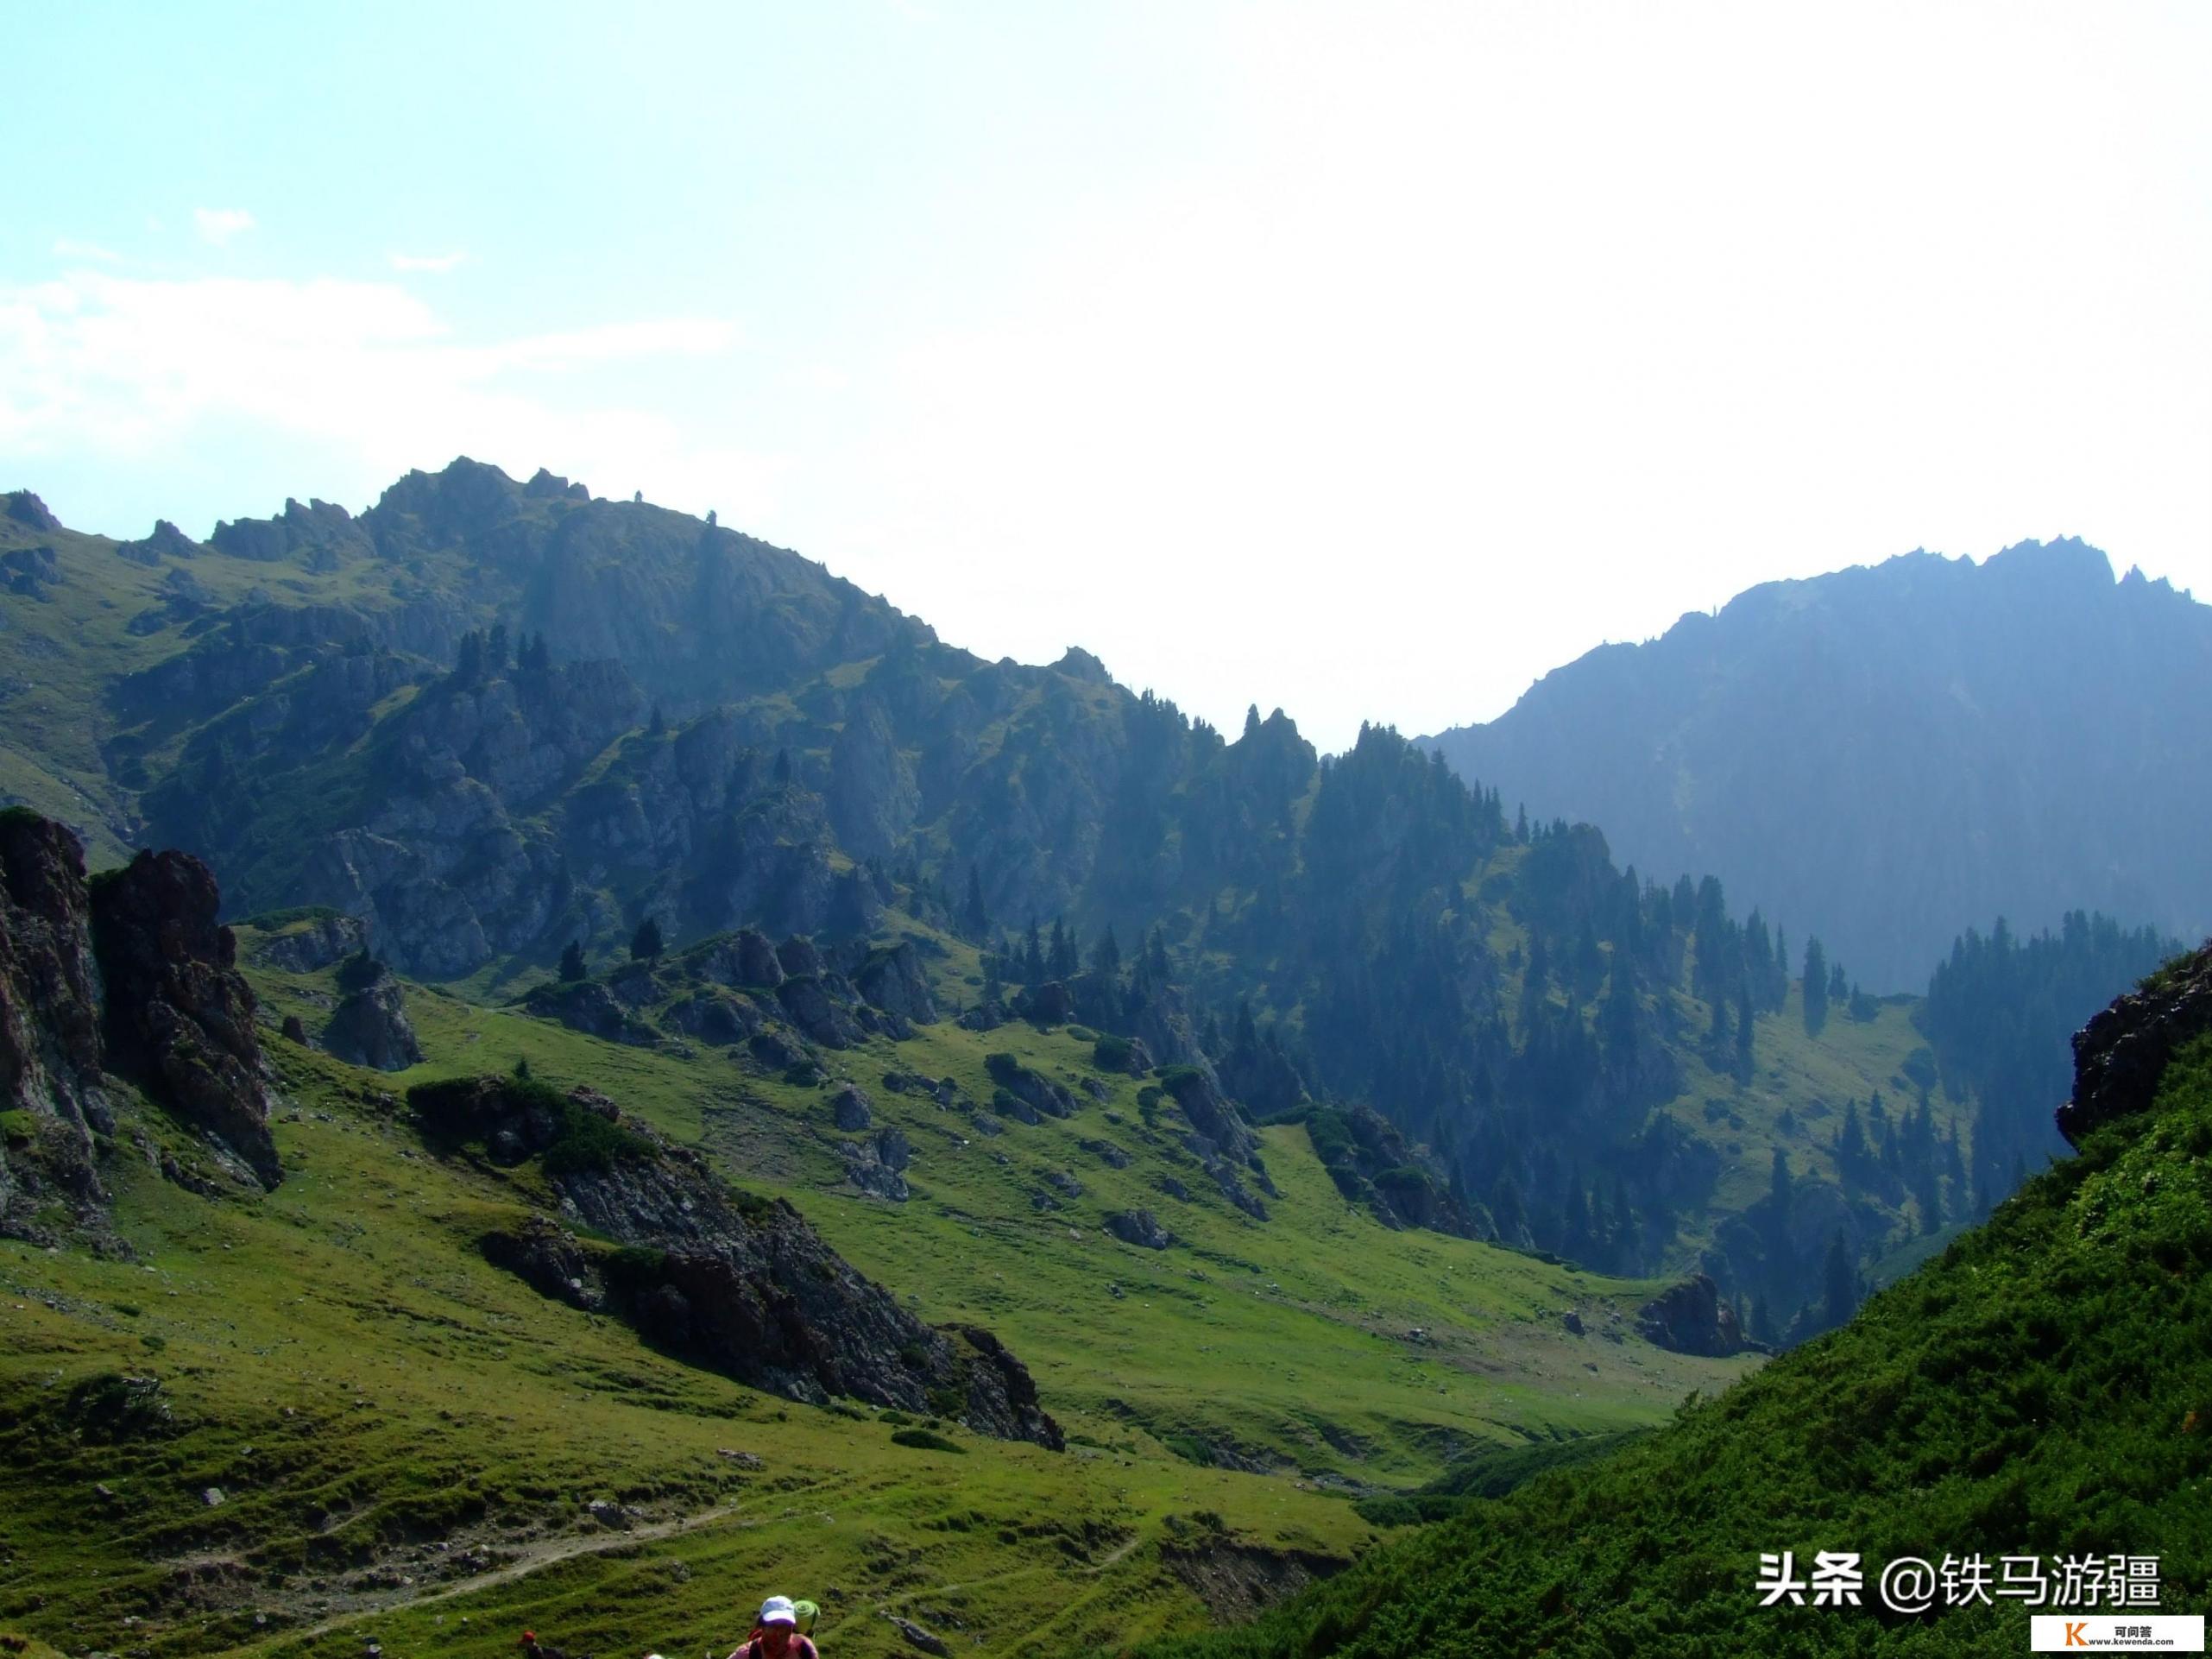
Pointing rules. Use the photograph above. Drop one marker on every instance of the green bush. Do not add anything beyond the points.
(923, 1439)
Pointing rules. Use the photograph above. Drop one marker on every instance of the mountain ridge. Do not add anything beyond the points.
(1886, 755)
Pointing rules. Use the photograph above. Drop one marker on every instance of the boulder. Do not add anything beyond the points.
(807, 1003)
(865, 1168)
(589, 1007)
(1140, 1228)
(1033, 1089)
(370, 1027)
(744, 958)
(893, 981)
(775, 1050)
(713, 1016)
(1690, 1318)
(849, 1109)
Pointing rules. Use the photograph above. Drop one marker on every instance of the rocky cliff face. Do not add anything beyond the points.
(2120, 1056)
(127, 975)
(178, 1019)
(743, 1286)
(51, 1084)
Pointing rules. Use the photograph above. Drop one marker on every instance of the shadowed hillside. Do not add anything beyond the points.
(1889, 755)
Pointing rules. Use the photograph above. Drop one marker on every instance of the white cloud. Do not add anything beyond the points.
(218, 224)
(70, 248)
(437, 264)
(368, 377)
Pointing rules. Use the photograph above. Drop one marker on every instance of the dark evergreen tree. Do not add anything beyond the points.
(1064, 958)
(645, 943)
(783, 767)
(1816, 987)
(572, 963)
(974, 920)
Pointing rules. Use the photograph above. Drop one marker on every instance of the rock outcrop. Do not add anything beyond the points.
(51, 1082)
(371, 1028)
(1690, 1318)
(589, 1007)
(167, 541)
(743, 1286)
(1219, 1137)
(1033, 1089)
(178, 1019)
(125, 976)
(894, 982)
(1140, 1228)
(2122, 1053)
(313, 943)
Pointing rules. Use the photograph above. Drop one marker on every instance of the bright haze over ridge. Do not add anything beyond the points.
(1366, 361)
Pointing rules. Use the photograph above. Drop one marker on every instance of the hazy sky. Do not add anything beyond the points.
(1364, 359)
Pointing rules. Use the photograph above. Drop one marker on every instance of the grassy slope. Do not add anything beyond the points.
(2044, 1388)
(60, 652)
(396, 1392)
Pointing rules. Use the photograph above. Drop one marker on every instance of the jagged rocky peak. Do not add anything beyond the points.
(178, 1019)
(165, 541)
(715, 1277)
(322, 532)
(428, 510)
(27, 509)
(545, 485)
(2121, 1054)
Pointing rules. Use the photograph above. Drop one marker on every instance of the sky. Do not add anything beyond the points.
(1367, 361)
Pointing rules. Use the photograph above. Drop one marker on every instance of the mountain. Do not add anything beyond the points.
(787, 1281)
(1889, 755)
(495, 723)
(2038, 1392)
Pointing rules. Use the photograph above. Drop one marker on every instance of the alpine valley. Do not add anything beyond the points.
(558, 1058)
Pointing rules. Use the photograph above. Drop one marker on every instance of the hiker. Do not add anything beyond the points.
(776, 1633)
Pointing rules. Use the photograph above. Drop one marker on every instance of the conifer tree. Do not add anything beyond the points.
(645, 943)
(974, 920)
(572, 964)
(1816, 987)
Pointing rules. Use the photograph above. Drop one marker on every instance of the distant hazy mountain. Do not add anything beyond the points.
(1886, 756)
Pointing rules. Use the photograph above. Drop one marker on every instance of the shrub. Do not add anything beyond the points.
(922, 1439)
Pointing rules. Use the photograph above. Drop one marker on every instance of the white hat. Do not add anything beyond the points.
(777, 1610)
